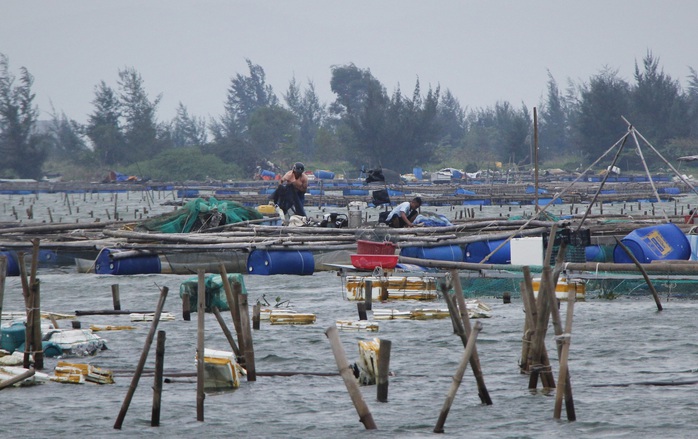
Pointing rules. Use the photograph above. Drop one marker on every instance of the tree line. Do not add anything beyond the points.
(364, 126)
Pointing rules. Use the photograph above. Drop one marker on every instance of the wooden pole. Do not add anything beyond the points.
(157, 383)
(200, 314)
(530, 320)
(186, 307)
(368, 294)
(630, 254)
(458, 378)
(115, 296)
(383, 370)
(36, 346)
(246, 332)
(28, 374)
(361, 308)
(474, 358)
(564, 376)
(141, 361)
(3, 274)
(256, 315)
(346, 371)
(233, 306)
(226, 331)
(535, 159)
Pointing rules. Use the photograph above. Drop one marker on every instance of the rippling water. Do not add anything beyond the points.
(621, 349)
(618, 348)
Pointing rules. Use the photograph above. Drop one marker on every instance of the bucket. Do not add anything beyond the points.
(324, 175)
(110, 261)
(476, 251)
(355, 219)
(655, 243)
(12, 263)
(266, 262)
(376, 248)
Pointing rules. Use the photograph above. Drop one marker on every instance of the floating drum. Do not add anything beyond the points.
(476, 252)
(266, 262)
(324, 175)
(655, 243)
(12, 264)
(598, 253)
(451, 253)
(110, 261)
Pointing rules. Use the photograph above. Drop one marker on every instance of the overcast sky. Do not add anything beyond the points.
(483, 51)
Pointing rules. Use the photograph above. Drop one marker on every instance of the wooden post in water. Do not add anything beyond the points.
(141, 362)
(234, 308)
(458, 378)
(361, 307)
(157, 383)
(226, 331)
(246, 332)
(200, 315)
(530, 320)
(256, 315)
(186, 307)
(368, 294)
(563, 384)
(115, 296)
(482, 391)
(383, 370)
(346, 371)
(3, 274)
(36, 346)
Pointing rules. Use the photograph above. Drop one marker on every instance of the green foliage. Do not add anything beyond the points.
(23, 149)
(186, 163)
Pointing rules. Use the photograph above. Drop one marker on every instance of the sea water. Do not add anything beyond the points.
(633, 369)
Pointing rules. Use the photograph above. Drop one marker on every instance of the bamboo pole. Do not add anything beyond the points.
(346, 371)
(28, 374)
(3, 275)
(564, 376)
(141, 361)
(458, 378)
(157, 382)
(200, 314)
(246, 331)
(36, 346)
(186, 307)
(474, 358)
(530, 320)
(233, 306)
(630, 254)
(226, 331)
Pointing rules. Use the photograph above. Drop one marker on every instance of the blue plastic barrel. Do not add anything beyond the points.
(598, 253)
(187, 193)
(451, 253)
(654, 243)
(267, 262)
(324, 175)
(106, 263)
(476, 252)
(12, 262)
(418, 173)
(461, 191)
(268, 174)
(361, 192)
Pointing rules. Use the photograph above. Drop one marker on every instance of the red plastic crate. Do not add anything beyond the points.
(375, 248)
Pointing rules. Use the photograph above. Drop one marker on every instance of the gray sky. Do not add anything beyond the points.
(483, 51)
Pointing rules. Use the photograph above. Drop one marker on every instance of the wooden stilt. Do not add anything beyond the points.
(141, 362)
(226, 331)
(246, 332)
(564, 386)
(458, 377)
(383, 370)
(200, 316)
(346, 371)
(157, 382)
(115, 296)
